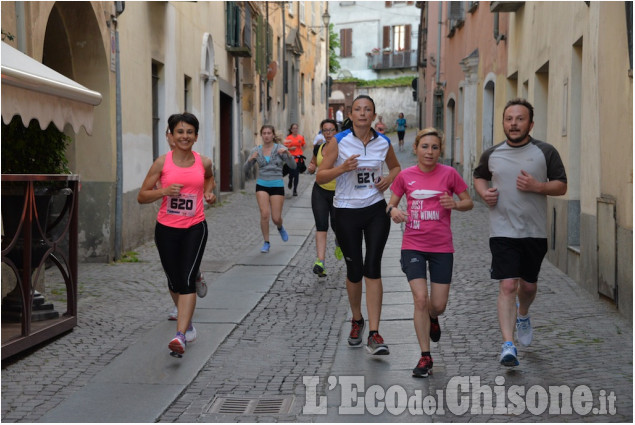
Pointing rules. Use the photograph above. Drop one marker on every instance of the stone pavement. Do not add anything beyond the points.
(296, 332)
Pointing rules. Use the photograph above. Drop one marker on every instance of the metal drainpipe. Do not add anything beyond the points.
(438, 77)
(267, 60)
(20, 26)
(119, 195)
(284, 56)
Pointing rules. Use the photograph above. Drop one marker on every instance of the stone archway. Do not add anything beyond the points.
(73, 46)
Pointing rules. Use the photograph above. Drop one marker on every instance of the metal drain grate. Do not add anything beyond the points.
(251, 406)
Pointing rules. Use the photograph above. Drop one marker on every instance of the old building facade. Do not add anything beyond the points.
(573, 62)
(235, 65)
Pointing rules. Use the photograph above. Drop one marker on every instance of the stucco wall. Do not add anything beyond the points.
(390, 101)
(596, 144)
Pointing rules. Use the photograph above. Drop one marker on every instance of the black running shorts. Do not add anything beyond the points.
(514, 258)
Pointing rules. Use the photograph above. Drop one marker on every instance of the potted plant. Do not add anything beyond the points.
(29, 150)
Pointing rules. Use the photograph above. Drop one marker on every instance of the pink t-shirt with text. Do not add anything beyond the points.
(428, 226)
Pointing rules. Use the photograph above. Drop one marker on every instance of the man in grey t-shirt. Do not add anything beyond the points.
(523, 172)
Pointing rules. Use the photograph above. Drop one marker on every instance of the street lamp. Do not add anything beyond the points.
(326, 18)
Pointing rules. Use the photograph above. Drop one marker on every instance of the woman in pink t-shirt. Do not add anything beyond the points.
(186, 181)
(427, 241)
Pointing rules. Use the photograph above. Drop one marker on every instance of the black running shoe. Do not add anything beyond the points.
(355, 337)
(424, 367)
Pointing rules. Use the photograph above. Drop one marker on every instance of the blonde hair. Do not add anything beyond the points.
(430, 131)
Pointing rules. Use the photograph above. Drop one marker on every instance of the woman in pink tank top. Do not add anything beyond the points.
(186, 180)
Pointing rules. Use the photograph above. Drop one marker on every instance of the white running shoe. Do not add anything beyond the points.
(201, 285)
(190, 334)
(173, 314)
(524, 331)
(177, 345)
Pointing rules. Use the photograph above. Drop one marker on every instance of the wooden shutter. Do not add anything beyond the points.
(386, 40)
(346, 42)
(408, 35)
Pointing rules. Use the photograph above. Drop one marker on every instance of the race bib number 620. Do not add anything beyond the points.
(183, 205)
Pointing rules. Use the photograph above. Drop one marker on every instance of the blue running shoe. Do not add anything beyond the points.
(509, 355)
(283, 234)
(265, 248)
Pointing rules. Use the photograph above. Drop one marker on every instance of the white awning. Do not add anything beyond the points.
(33, 90)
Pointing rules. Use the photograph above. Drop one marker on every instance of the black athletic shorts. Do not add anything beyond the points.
(415, 264)
(271, 190)
(514, 258)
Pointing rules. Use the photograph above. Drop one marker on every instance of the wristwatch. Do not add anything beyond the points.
(389, 210)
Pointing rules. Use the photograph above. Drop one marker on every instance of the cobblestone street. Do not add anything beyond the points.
(298, 329)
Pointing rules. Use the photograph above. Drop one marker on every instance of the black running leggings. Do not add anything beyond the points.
(181, 251)
(322, 206)
(371, 223)
(294, 178)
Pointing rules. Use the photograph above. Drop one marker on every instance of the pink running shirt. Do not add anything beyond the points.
(428, 226)
(185, 210)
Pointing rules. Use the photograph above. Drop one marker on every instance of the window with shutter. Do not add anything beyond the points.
(386, 38)
(456, 16)
(346, 42)
(457, 12)
(232, 17)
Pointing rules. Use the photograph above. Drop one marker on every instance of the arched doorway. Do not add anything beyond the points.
(74, 47)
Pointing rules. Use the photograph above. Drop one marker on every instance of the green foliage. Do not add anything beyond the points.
(129, 257)
(334, 43)
(31, 150)
(385, 82)
(6, 34)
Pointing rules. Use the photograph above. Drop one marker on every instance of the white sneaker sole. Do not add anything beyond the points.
(379, 351)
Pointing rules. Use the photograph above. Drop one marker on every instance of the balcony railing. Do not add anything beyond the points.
(40, 219)
(392, 60)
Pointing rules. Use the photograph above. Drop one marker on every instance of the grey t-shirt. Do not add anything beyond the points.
(519, 214)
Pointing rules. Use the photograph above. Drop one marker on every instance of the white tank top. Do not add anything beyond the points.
(356, 189)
